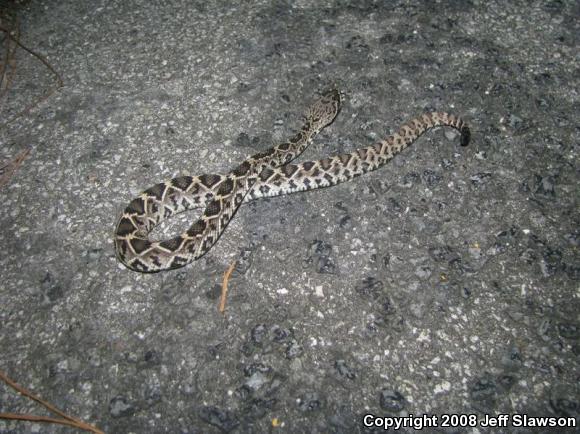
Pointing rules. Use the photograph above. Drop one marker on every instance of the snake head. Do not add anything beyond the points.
(324, 109)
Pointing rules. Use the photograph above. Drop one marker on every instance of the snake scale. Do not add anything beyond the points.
(265, 174)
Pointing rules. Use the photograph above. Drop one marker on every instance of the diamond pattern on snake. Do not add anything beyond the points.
(266, 174)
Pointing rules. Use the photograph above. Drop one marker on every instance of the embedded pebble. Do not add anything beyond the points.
(119, 406)
(344, 370)
(219, 418)
(309, 402)
(392, 401)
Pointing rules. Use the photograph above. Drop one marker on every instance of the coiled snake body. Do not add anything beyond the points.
(265, 174)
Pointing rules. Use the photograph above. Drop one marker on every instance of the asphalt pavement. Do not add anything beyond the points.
(442, 289)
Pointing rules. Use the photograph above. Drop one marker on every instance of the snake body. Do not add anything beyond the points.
(265, 174)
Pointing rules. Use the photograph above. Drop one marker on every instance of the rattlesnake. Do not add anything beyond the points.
(265, 174)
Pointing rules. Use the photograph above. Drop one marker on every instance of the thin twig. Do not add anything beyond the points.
(67, 420)
(45, 62)
(48, 419)
(225, 281)
(8, 169)
(9, 60)
(9, 65)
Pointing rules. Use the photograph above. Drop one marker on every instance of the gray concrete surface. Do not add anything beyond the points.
(445, 283)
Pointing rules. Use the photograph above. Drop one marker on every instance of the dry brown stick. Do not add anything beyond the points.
(30, 395)
(68, 420)
(225, 281)
(4, 67)
(7, 72)
(45, 62)
(35, 54)
(10, 167)
(48, 419)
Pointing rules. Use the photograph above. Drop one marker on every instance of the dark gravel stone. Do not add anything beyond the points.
(51, 288)
(309, 402)
(244, 261)
(243, 392)
(544, 185)
(410, 179)
(447, 164)
(386, 260)
(431, 178)
(276, 382)
(572, 271)
(506, 381)
(259, 334)
(152, 392)
(392, 401)
(505, 239)
(320, 256)
(345, 222)
(394, 205)
(370, 286)
(93, 255)
(119, 406)
(242, 140)
(293, 350)
(458, 265)
(256, 367)
(512, 359)
(484, 391)
(344, 370)
(569, 330)
(280, 334)
(151, 358)
(573, 238)
(480, 178)
(377, 324)
(222, 419)
(214, 293)
(443, 253)
(565, 406)
(357, 43)
(552, 262)
(258, 408)
(515, 122)
(529, 256)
